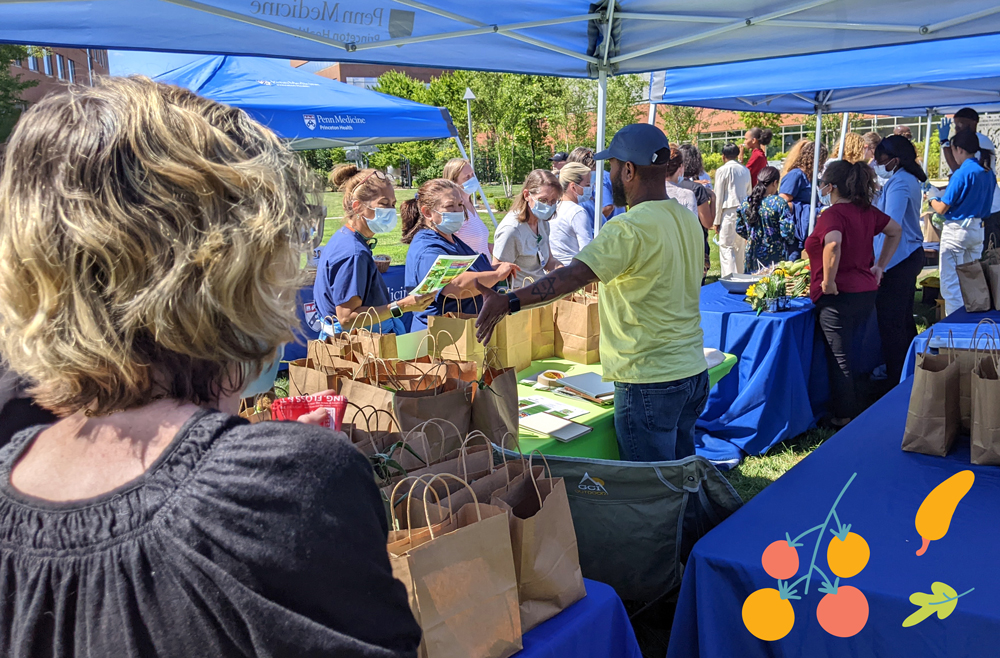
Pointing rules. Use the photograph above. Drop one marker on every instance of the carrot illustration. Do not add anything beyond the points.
(934, 515)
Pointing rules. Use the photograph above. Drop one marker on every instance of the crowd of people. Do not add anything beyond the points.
(151, 244)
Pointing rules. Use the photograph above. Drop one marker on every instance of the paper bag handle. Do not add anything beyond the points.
(437, 424)
(426, 479)
(458, 302)
(369, 315)
(464, 450)
(442, 476)
(531, 472)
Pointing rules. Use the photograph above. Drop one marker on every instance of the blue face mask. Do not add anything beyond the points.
(543, 211)
(265, 382)
(451, 222)
(470, 185)
(587, 193)
(384, 221)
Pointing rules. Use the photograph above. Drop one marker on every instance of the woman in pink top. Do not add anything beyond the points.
(473, 232)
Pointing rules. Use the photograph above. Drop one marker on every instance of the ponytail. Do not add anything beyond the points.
(765, 178)
(855, 182)
(410, 212)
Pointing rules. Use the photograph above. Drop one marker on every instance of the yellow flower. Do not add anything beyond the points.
(751, 291)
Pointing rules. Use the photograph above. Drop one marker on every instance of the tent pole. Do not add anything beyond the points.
(602, 116)
(843, 135)
(479, 187)
(815, 176)
(652, 113)
(927, 141)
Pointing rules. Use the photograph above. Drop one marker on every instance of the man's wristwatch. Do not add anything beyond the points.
(395, 310)
(513, 303)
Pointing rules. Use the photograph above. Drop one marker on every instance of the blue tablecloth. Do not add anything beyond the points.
(881, 504)
(594, 627)
(959, 324)
(310, 320)
(780, 386)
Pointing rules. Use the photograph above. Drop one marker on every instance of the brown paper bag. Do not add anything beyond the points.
(975, 290)
(305, 378)
(543, 335)
(986, 411)
(494, 407)
(455, 337)
(577, 329)
(934, 415)
(363, 394)
(256, 409)
(986, 330)
(462, 587)
(546, 557)
(511, 341)
(376, 344)
(451, 402)
(334, 352)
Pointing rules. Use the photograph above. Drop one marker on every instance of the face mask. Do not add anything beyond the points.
(825, 198)
(542, 211)
(587, 191)
(384, 221)
(470, 185)
(881, 171)
(265, 382)
(451, 222)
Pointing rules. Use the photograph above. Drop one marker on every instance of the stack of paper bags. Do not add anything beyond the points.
(577, 329)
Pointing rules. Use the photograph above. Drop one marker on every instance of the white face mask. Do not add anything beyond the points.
(882, 172)
(470, 185)
(826, 199)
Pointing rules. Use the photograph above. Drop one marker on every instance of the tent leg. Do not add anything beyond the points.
(479, 187)
(927, 141)
(602, 117)
(843, 136)
(815, 176)
(652, 113)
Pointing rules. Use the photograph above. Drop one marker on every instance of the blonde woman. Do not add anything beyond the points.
(570, 229)
(151, 244)
(854, 149)
(522, 238)
(473, 232)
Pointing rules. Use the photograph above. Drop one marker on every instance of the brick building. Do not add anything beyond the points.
(57, 68)
(363, 75)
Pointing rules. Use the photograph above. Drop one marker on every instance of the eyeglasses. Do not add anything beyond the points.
(376, 173)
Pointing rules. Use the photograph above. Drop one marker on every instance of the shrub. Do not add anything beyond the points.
(711, 161)
(501, 203)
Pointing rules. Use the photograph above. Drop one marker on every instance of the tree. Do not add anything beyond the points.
(11, 87)
(625, 92)
(681, 124)
(571, 120)
(322, 161)
(761, 120)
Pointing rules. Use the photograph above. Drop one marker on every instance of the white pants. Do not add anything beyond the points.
(732, 248)
(958, 246)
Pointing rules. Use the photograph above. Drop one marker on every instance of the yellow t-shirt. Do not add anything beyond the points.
(650, 262)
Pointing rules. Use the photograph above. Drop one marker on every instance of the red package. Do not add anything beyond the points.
(292, 408)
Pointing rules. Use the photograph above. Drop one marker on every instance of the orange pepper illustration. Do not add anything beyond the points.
(934, 515)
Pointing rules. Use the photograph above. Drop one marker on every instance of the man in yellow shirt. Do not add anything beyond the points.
(649, 263)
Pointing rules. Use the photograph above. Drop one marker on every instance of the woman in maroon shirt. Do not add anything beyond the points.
(845, 277)
(755, 141)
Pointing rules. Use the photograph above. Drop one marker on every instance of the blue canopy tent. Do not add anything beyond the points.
(310, 111)
(937, 77)
(574, 38)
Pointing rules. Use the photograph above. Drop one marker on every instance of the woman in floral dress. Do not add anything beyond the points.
(765, 221)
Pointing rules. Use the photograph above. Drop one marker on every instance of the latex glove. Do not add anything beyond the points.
(934, 192)
(944, 130)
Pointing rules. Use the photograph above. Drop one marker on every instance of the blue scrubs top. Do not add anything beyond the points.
(347, 269)
(901, 199)
(969, 193)
(607, 200)
(425, 247)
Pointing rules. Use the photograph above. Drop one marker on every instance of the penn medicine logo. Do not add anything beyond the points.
(310, 120)
(592, 486)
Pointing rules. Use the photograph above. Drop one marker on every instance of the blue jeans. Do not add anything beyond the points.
(655, 422)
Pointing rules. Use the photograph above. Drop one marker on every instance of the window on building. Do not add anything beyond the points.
(71, 70)
(17, 63)
(61, 67)
(366, 83)
(32, 63)
(47, 63)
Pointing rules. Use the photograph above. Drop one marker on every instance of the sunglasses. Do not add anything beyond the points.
(376, 173)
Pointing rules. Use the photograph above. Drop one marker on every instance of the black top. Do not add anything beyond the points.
(701, 194)
(240, 540)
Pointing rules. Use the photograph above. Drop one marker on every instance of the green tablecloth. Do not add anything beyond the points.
(599, 443)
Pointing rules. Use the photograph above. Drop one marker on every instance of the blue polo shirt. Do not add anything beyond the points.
(425, 247)
(347, 269)
(607, 200)
(969, 193)
(901, 199)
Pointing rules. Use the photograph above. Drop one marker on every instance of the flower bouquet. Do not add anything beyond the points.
(769, 294)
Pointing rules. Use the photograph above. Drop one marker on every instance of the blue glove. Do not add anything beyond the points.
(944, 129)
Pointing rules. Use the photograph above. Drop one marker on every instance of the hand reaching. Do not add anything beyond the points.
(944, 129)
(495, 307)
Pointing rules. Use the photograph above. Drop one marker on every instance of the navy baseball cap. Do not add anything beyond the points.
(561, 156)
(636, 143)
